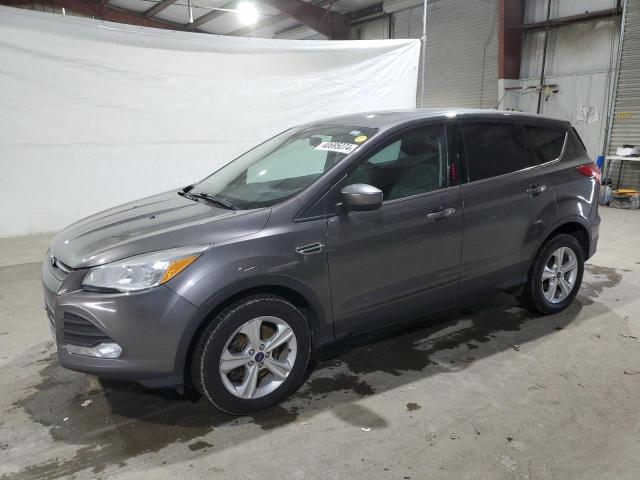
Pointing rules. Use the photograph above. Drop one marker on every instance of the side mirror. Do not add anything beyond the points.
(360, 196)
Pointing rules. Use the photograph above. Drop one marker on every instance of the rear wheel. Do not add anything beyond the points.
(555, 276)
(253, 355)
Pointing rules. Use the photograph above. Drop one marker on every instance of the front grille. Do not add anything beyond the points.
(59, 269)
(81, 332)
(60, 266)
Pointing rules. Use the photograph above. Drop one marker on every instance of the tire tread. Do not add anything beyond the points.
(529, 298)
(197, 373)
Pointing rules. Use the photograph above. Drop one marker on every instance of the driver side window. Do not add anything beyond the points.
(414, 162)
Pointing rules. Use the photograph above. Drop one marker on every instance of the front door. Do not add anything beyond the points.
(401, 260)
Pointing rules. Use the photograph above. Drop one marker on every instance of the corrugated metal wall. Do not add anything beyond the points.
(581, 61)
(579, 89)
(375, 29)
(462, 50)
(626, 120)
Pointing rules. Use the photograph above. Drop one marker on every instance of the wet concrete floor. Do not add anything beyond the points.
(489, 391)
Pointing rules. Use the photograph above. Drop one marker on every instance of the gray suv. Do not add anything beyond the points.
(324, 231)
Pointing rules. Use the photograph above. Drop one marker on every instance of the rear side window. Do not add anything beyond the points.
(575, 146)
(493, 149)
(546, 143)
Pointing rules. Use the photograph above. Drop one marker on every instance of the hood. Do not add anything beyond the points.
(159, 222)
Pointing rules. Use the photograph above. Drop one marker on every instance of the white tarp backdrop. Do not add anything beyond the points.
(93, 114)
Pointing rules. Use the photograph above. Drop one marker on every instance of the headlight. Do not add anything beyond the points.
(142, 271)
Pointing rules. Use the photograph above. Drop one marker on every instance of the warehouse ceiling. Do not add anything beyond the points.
(275, 18)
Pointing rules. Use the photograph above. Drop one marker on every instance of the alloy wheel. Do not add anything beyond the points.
(258, 357)
(559, 275)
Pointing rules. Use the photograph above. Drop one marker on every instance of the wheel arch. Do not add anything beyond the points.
(529, 294)
(320, 322)
(575, 226)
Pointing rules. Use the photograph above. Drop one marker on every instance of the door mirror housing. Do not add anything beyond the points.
(359, 197)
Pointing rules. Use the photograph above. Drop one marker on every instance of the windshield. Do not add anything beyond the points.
(282, 166)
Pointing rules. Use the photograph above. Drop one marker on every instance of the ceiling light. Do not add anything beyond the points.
(247, 13)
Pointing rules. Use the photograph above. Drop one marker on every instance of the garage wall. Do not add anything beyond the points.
(580, 61)
(578, 89)
(626, 119)
(375, 29)
(462, 49)
(96, 114)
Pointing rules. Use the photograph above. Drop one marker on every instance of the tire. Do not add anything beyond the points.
(537, 291)
(252, 385)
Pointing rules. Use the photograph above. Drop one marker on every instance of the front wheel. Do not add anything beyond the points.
(555, 276)
(253, 355)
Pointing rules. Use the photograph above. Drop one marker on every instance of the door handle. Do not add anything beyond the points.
(441, 213)
(536, 189)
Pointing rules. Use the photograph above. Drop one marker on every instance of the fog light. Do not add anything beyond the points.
(103, 350)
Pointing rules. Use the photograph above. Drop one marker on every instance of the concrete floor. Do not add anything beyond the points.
(491, 392)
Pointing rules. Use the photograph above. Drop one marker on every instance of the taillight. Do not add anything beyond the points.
(453, 174)
(590, 170)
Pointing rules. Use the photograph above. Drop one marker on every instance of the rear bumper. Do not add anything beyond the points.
(593, 246)
(146, 325)
(595, 235)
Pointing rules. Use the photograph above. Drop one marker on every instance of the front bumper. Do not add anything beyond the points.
(147, 326)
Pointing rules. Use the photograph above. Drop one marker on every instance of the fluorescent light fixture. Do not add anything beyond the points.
(247, 13)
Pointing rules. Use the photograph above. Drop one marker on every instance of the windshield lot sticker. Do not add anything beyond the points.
(360, 138)
(338, 147)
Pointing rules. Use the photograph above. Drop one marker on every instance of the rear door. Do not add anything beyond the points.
(546, 145)
(503, 198)
(401, 260)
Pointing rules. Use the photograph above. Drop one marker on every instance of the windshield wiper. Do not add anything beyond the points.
(211, 199)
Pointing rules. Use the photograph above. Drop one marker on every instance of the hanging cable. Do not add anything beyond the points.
(424, 51)
(544, 54)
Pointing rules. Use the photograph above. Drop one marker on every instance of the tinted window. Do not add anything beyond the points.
(575, 146)
(413, 163)
(545, 143)
(493, 149)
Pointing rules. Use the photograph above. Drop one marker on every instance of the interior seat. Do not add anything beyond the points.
(422, 172)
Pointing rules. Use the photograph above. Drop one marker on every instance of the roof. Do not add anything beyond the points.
(392, 118)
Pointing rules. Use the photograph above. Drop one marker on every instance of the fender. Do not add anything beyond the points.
(321, 320)
(559, 223)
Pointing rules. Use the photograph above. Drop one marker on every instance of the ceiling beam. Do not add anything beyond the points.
(356, 15)
(265, 22)
(330, 24)
(207, 17)
(268, 21)
(510, 12)
(366, 13)
(158, 7)
(104, 12)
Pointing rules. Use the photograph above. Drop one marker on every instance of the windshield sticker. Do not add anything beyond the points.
(338, 147)
(360, 138)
